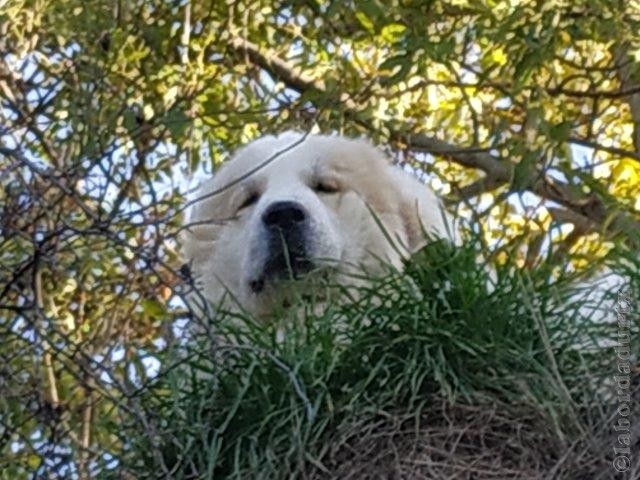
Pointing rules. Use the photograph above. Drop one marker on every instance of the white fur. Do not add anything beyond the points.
(226, 248)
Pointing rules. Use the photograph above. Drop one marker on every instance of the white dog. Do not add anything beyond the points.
(287, 206)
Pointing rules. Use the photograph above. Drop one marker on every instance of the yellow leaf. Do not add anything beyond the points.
(69, 286)
(170, 96)
(147, 112)
(68, 321)
(392, 33)
(476, 104)
(627, 171)
(33, 461)
(498, 56)
(364, 21)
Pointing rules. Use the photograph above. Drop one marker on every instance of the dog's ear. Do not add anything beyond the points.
(423, 216)
(199, 231)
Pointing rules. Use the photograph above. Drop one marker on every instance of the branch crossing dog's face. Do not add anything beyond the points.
(290, 207)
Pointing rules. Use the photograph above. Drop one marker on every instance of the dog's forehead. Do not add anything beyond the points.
(293, 155)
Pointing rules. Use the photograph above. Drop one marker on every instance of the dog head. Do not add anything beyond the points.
(286, 207)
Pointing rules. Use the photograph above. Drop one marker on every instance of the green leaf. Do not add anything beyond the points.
(177, 122)
(365, 21)
(393, 32)
(523, 173)
(129, 120)
(153, 308)
(560, 131)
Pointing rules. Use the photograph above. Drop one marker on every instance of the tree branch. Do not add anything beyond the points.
(589, 210)
(186, 34)
(621, 54)
(496, 170)
(601, 148)
(485, 184)
(580, 222)
(552, 91)
(292, 76)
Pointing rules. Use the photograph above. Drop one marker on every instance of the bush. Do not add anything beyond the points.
(443, 370)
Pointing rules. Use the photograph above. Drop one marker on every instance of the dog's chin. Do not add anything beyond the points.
(275, 273)
(274, 293)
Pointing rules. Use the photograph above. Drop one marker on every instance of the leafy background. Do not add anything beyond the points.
(523, 115)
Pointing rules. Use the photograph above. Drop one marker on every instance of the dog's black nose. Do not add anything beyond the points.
(286, 228)
(284, 215)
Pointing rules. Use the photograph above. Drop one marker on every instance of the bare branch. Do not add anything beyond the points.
(495, 169)
(289, 74)
(580, 222)
(552, 91)
(485, 184)
(293, 77)
(601, 148)
(186, 33)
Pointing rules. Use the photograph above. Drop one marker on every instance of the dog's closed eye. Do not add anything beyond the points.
(251, 199)
(325, 187)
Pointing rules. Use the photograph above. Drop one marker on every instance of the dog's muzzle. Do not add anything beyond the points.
(286, 228)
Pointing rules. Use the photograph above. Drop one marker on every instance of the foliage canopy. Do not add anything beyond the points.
(524, 115)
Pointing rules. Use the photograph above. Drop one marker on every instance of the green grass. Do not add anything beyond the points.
(292, 398)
